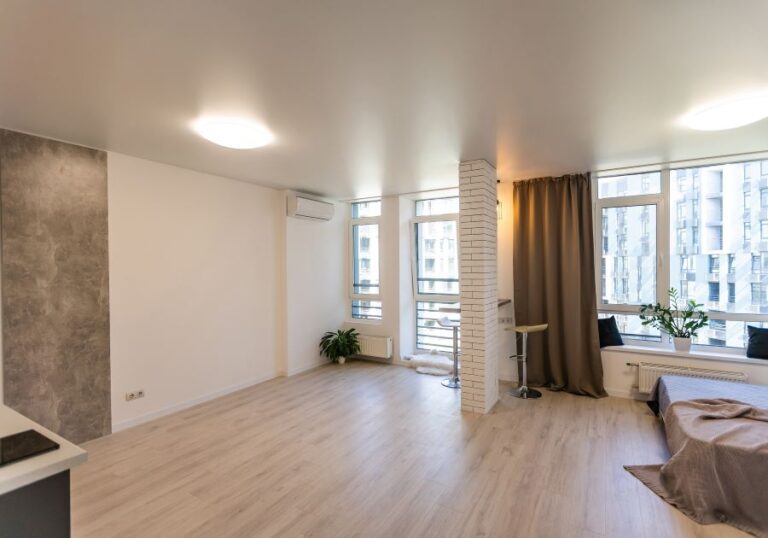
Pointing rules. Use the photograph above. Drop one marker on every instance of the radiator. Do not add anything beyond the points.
(376, 346)
(648, 373)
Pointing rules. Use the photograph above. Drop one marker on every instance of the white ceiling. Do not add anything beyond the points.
(384, 96)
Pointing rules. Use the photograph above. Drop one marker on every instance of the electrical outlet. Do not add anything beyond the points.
(130, 396)
(506, 321)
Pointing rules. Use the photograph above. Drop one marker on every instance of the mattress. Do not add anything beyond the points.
(677, 388)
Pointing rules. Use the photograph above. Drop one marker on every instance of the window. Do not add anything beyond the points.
(681, 211)
(430, 335)
(629, 185)
(630, 257)
(365, 260)
(714, 292)
(366, 209)
(707, 213)
(370, 310)
(435, 270)
(437, 206)
(365, 291)
(714, 264)
(758, 294)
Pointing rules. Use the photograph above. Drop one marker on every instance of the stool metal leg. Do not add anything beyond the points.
(522, 391)
(453, 381)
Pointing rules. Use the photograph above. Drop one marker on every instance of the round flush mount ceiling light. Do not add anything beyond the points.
(235, 133)
(729, 113)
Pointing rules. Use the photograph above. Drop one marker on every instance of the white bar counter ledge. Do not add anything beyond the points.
(34, 492)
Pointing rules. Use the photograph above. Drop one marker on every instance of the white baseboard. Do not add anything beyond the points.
(302, 369)
(618, 393)
(630, 394)
(125, 424)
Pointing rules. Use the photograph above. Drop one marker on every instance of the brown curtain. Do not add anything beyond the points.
(554, 274)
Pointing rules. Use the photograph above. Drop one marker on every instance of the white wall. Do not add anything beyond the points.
(621, 380)
(194, 286)
(507, 366)
(316, 299)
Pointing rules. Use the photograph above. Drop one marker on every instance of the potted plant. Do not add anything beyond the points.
(681, 321)
(339, 345)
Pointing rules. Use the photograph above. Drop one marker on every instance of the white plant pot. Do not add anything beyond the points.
(342, 360)
(682, 344)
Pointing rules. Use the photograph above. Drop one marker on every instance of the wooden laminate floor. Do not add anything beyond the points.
(373, 450)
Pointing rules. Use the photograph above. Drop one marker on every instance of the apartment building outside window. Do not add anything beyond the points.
(365, 286)
(701, 218)
(435, 270)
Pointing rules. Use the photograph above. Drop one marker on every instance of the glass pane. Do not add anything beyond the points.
(437, 206)
(628, 264)
(629, 185)
(437, 257)
(365, 242)
(630, 326)
(366, 309)
(725, 333)
(429, 333)
(366, 209)
(719, 241)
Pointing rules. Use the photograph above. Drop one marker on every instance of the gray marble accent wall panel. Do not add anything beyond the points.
(55, 284)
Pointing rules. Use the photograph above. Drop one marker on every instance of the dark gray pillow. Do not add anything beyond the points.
(609, 332)
(757, 348)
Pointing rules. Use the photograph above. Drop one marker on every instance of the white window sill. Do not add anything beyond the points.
(693, 354)
(355, 321)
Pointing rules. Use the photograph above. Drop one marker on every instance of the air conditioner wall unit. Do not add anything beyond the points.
(302, 207)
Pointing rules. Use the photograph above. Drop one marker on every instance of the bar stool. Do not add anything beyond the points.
(522, 391)
(453, 381)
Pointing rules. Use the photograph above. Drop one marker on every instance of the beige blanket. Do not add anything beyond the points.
(718, 471)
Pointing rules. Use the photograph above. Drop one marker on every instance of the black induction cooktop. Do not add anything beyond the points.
(24, 445)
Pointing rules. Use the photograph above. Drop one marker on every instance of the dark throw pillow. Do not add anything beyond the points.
(609, 332)
(757, 348)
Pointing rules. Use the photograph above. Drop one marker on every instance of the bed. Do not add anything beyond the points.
(677, 388)
(717, 434)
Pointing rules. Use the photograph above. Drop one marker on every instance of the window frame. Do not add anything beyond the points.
(659, 200)
(663, 201)
(430, 297)
(362, 221)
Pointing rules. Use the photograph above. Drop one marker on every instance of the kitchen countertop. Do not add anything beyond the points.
(27, 471)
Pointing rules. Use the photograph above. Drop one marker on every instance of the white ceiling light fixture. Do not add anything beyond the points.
(235, 133)
(729, 113)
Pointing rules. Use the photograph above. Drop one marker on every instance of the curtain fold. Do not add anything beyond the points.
(554, 278)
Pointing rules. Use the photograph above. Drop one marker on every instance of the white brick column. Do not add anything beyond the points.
(477, 279)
